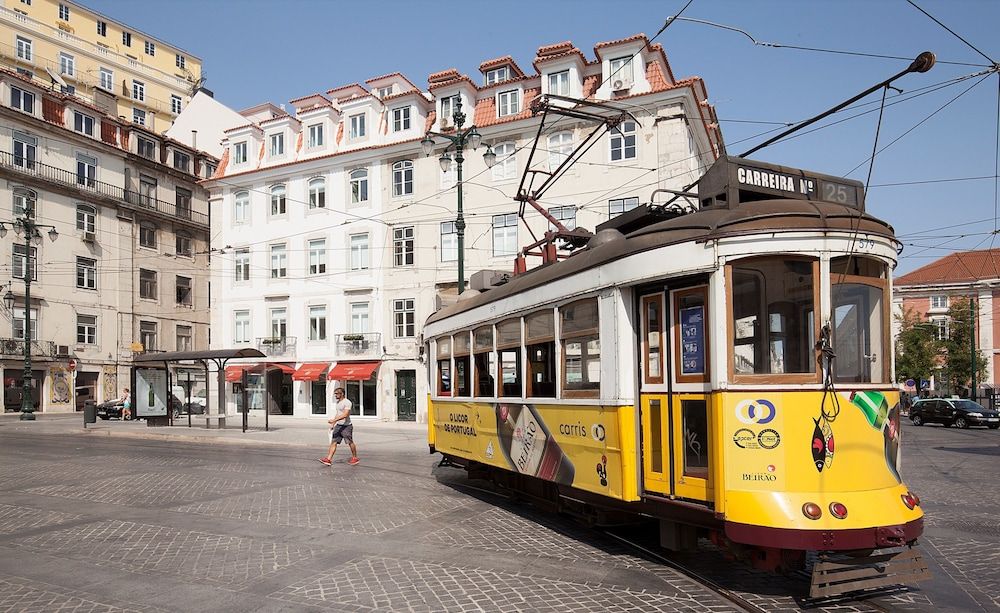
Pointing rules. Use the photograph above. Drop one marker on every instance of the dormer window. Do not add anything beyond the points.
(401, 119)
(448, 109)
(181, 161)
(621, 73)
(508, 103)
(316, 135)
(497, 75)
(358, 126)
(384, 91)
(22, 100)
(240, 153)
(145, 147)
(277, 144)
(559, 83)
(83, 124)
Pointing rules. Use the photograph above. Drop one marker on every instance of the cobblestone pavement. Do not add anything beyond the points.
(101, 524)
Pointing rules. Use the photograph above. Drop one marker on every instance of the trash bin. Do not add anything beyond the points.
(89, 412)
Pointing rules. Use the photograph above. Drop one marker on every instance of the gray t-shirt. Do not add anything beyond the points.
(344, 405)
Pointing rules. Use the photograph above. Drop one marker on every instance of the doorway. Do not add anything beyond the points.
(406, 395)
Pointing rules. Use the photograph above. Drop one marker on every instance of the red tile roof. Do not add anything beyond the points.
(555, 49)
(620, 41)
(392, 74)
(486, 114)
(500, 61)
(220, 170)
(444, 75)
(959, 267)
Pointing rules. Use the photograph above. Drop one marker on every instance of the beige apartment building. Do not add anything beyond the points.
(122, 71)
(126, 268)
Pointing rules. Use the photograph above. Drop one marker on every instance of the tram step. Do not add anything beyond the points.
(836, 574)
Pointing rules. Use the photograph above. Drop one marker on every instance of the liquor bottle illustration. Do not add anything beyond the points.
(528, 445)
(152, 397)
(873, 405)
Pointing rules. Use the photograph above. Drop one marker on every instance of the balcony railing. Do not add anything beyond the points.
(29, 167)
(14, 348)
(276, 345)
(363, 345)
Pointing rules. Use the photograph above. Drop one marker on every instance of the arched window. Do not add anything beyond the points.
(317, 193)
(24, 202)
(506, 166)
(241, 207)
(359, 185)
(278, 200)
(402, 178)
(560, 146)
(86, 218)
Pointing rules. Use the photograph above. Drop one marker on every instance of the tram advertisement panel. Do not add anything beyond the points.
(577, 446)
(803, 441)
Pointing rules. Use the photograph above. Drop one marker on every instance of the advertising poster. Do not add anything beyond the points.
(150, 394)
(693, 340)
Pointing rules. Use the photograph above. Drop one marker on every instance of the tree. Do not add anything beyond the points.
(917, 348)
(960, 345)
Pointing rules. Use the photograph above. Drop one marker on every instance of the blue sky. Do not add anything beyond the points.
(258, 51)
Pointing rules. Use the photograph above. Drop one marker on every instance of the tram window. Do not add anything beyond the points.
(773, 310)
(485, 361)
(695, 418)
(652, 323)
(581, 345)
(691, 335)
(463, 363)
(859, 320)
(541, 349)
(509, 354)
(444, 366)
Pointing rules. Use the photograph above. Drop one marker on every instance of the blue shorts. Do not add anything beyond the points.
(341, 433)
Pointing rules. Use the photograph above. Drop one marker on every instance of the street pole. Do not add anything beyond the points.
(972, 347)
(27, 408)
(460, 222)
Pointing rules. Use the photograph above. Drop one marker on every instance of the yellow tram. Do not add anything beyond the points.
(725, 369)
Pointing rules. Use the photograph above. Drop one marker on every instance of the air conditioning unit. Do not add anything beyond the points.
(62, 351)
(89, 237)
(621, 83)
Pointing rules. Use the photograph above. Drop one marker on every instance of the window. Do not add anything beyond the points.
(107, 77)
(24, 202)
(317, 256)
(63, 12)
(279, 261)
(317, 323)
(694, 337)
(182, 203)
(147, 335)
(86, 329)
(24, 48)
(560, 146)
(401, 119)
(448, 108)
(150, 48)
(559, 83)
(509, 357)
(175, 104)
(183, 291)
(102, 28)
(180, 61)
(497, 75)
(404, 316)
(127, 38)
(359, 251)
(540, 343)
(241, 261)
(277, 144)
(860, 286)
(402, 246)
(621, 73)
(241, 207)
(581, 344)
(183, 338)
(22, 100)
(357, 126)
(383, 92)
(623, 141)
(86, 170)
(86, 218)
(443, 346)
(67, 64)
(240, 153)
(463, 366)
(359, 317)
(484, 360)
(773, 315)
(86, 273)
(25, 147)
(566, 216)
(505, 234)
(939, 302)
(145, 147)
(147, 236)
(22, 259)
(315, 135)
(941, 331)
(449, 241)
(182, 161)
(506, 164)
(147, 284)
(618, 206)
(138, 90)
(241, 328)
(147, 191)
(182, 244)
(83, 124)
(317, 193)
(18, 323)
(139, 116)
(278, 200)
(359, 185)
(508, 103)
(402, 178)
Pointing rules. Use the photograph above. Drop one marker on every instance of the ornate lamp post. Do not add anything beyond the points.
(457, 143)
(26, 228)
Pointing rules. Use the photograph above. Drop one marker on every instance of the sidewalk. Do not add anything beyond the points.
(283, 430)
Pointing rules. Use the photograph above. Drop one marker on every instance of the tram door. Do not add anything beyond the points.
(676, 420)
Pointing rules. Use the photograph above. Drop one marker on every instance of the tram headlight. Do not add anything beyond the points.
(812, 510)
(838, 510)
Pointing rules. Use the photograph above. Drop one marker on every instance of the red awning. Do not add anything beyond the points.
(234, 374)
(353, 371)
(310, 371)
(285, 368)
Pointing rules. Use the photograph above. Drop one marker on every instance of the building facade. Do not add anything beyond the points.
(340, 234)
(128, 269)
(125, 73)
(930, 291)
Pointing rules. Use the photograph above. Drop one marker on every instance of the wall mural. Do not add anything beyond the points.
(60, 390)
(110, 383)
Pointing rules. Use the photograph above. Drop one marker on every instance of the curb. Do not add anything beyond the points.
(225, 440)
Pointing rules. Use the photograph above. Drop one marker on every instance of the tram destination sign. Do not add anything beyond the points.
(812, 188)
(733, 180)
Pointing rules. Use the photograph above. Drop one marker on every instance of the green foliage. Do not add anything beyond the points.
(960, 347)
(917, 349)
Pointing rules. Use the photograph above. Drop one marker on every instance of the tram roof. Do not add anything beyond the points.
(759, 217)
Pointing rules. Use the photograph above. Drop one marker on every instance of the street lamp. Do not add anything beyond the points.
(457, 142)
(26, 228)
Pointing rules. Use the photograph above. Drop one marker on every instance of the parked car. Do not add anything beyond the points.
(953, 411)
(111, 409)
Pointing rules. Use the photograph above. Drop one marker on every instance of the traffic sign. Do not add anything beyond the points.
(72, 364)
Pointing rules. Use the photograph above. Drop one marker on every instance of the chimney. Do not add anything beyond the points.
(194, 139)
(151, 116)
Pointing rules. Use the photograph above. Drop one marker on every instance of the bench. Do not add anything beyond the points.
(215, 421)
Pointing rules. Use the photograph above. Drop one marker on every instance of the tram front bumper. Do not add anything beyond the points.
(825, 540)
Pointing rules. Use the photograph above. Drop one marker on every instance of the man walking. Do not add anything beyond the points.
(343, 431)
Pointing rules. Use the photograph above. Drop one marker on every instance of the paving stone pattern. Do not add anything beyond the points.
(20, 596)
(149, 489)
(16, 519)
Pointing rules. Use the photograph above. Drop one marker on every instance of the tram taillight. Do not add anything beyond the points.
(812, 510)
(910, 500)
(838, 510)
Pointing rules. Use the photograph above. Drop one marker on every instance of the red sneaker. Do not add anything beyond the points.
(325, 461)
(353, 461)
